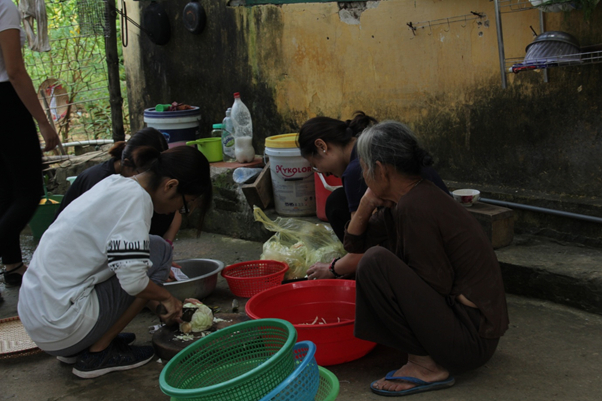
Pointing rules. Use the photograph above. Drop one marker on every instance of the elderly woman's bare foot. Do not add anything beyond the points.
(420, 367)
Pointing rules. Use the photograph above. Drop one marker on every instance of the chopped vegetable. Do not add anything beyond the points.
(184, 337)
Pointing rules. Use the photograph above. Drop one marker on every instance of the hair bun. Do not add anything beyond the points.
(423, 157)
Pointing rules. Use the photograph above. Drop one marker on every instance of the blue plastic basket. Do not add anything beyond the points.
(303, 383)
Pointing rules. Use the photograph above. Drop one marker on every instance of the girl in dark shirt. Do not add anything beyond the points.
(165, 226)
(433, 288)
(329, 145)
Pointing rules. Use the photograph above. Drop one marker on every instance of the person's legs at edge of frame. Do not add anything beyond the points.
(106, 348)
(337, 212)
(20, 180)
(447, 342)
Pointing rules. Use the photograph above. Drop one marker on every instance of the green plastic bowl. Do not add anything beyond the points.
(44, 215)
(328, 390)
(210, 147)
(242, 362)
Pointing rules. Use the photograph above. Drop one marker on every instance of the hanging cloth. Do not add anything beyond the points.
(32, 11)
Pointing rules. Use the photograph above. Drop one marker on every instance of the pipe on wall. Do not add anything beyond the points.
(513, 205)
(90, 142)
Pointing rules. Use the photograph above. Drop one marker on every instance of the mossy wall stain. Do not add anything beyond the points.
(204, 70)
(543, 137)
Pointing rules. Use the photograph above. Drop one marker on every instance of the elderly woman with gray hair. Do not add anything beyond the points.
(433, 288)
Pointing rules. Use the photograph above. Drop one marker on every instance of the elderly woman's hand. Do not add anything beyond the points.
(370, 201)
(368, 205)
(319, 271)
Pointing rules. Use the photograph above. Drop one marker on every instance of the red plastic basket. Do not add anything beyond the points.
(246, 279)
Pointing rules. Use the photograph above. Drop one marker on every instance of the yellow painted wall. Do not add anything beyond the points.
(328, 66)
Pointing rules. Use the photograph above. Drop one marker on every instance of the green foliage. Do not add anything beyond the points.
(77, 61)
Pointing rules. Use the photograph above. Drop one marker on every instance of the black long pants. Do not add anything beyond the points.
(337, 212)
(20, 171)
(395, 307)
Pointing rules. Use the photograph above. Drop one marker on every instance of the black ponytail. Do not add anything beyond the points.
(145, 137)
(117, 149)
(360, 122)
(144, 157)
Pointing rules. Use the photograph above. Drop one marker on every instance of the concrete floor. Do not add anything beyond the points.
(551, 352)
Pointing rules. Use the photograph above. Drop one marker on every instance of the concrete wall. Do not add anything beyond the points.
(293, 62)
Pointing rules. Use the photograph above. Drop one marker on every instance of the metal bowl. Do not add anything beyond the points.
(555, 36)
(202, 275)
(553, 47)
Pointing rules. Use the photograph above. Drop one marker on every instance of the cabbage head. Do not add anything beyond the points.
(202, 319)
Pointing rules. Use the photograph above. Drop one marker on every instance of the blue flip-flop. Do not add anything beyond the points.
(421, 385)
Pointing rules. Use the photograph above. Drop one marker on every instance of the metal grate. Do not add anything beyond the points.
(92, 17)
(71, 79)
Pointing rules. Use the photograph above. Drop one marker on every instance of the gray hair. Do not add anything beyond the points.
(391, 142)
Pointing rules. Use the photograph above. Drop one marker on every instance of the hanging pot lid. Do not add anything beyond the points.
(155, 23)
(194, 17)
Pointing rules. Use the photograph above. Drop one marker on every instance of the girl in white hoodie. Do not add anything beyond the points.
(92, 272)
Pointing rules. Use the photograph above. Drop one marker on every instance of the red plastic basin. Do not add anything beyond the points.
(301, 302)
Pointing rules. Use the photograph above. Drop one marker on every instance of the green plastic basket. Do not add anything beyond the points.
(44, 215)
(329, 386)
(241, 362)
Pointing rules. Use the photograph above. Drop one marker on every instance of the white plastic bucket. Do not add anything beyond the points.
(292, 177)
(178, 127)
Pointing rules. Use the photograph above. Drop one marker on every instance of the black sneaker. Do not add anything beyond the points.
(127, 338)
(117, 356)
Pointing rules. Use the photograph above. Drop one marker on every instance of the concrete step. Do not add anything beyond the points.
(562, 272)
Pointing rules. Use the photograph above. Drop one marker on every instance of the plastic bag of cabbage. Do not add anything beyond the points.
(298, 243)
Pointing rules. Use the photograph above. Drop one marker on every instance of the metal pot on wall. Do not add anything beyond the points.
(155, 23)
(194, 17)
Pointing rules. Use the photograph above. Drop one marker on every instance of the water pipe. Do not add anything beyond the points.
(90, 142)
(554, 212)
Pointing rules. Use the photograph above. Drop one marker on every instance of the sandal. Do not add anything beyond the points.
(11, 277)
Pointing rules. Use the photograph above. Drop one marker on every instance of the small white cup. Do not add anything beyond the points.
(466, 197)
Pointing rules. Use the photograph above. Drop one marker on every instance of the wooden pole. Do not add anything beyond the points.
(112, 58)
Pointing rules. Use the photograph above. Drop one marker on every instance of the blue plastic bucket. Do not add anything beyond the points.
(178, 127)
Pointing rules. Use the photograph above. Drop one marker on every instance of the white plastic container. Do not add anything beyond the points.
(243, 131)
(292, 177)
(178, 127)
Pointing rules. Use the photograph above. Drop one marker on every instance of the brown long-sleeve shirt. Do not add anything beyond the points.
(445, 245)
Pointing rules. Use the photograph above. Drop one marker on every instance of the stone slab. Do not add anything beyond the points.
(497, 222)
(561, 272)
